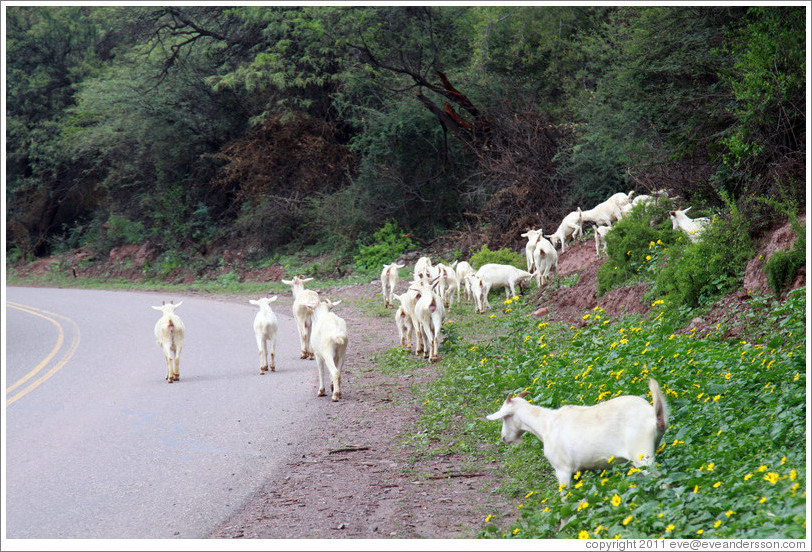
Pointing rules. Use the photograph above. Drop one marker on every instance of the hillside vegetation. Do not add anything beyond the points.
(266, 131)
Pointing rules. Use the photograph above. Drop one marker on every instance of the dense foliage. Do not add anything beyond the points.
(270, 128)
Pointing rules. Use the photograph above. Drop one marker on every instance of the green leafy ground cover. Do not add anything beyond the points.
(731, 464)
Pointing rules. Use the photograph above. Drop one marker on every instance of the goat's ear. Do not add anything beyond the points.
(157, 308)
(306, 279)
(687, 209)
(179, 304)
(253, 302)
(287, 282)
(272, 299)
(335, 303)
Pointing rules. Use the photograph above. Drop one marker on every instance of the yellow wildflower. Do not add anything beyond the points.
(717, 523)
(748, 476)
(717, 484)
(669, 528)
(616, 500)
(583, 535)
(628, 520)
(772, 477)
(582, 506)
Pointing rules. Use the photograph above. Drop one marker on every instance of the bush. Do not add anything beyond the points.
(634, 247)
(695, 274)
(501, 256)
(783, 265)
(390, 243)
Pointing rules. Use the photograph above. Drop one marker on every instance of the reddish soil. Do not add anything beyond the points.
(356, 478)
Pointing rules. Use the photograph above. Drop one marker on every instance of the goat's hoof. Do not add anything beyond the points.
(336, 397)
(273, 368)
(321, 393)
(303, 355)
(312, 356)
(435, 358)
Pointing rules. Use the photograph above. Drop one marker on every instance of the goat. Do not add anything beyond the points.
(265, 327)
(169, 333)
(626, 428)
(403, 322)
(473, 283)
(329, 342)
(462, 269)
(304, 302)
(571, 227)
(408, 299)
(430, 312)
(608, 212)
(693, 227)
(545, 260)
(389, 280)
(530, 248)
(449, 285)
(499, 275)
(600, 239)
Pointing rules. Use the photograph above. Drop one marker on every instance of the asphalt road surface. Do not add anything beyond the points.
(98, 445)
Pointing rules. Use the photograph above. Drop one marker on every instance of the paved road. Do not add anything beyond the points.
(98, 445)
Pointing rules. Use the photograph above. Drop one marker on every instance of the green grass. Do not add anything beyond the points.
(732, 463)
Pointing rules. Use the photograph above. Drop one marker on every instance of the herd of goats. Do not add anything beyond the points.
(625, 428)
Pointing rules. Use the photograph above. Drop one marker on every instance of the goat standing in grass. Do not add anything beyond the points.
(265, 327)
(169, 332)
(329, 343)
(626, 428)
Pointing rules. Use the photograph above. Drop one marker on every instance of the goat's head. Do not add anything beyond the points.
(167, 309)
(512, 429)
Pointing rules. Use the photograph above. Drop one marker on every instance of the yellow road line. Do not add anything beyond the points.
(60, 341)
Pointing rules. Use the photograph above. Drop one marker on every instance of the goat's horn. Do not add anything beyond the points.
(523, 394)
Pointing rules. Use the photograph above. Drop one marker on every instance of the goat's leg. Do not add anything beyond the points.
(263, 356)
(321, 370)
(272, 365)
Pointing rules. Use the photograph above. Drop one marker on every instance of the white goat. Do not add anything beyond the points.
(474, 284)
(169, 333)
(693, 227)
(304, 302)
(571, 227)
(389, 280)
(430, 312)
(575, 438)
(265, 327)
(403, 322)
(463, 269)
(449, 285)
(329, 341)
(608, 212)
(600, 239)
(530, 248)
(422, 270)
(408, 299)
(499, 275)
(545, 260)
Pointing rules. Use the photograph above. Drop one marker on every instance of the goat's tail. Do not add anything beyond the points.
(170, 327)
(660, 407)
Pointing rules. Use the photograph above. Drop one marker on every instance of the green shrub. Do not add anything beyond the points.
(634, 247)
(501, 256)
(390, 243)
(783, 265)
(695, 274)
